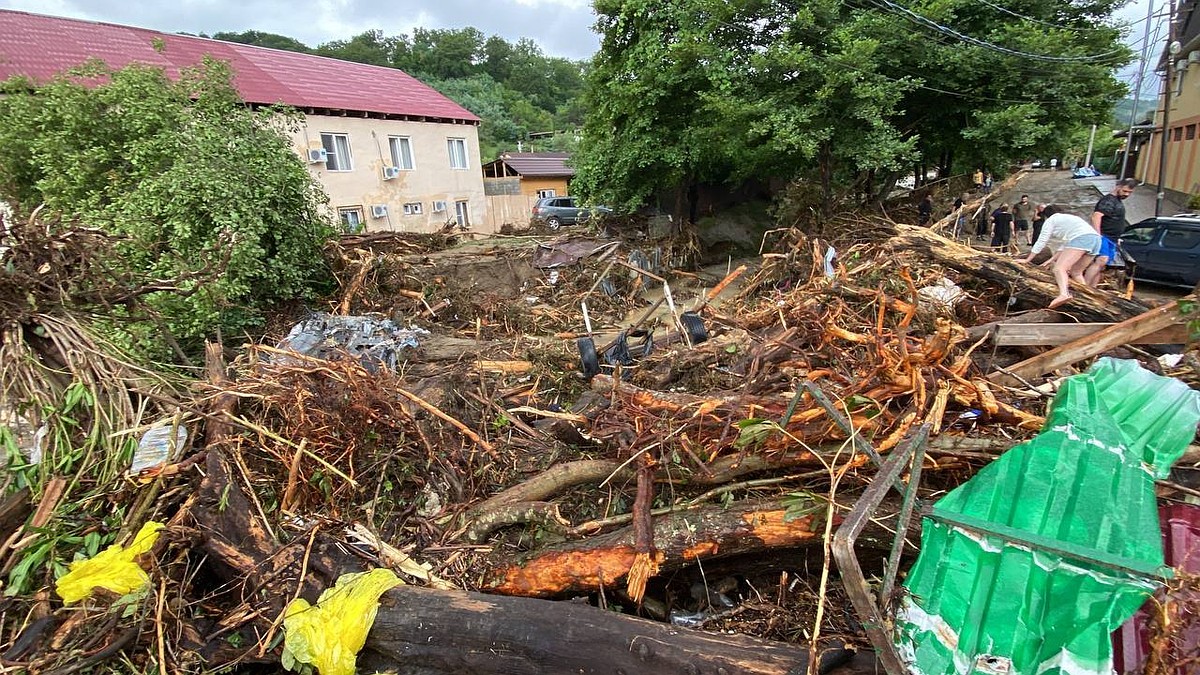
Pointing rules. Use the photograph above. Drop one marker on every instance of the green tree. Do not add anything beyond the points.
(206, 193)
(261, 39)
(371, 47)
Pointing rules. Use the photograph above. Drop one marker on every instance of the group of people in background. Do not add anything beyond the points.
(1081, 250)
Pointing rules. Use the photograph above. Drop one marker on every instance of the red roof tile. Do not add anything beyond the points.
(543, 164)
(40, 47)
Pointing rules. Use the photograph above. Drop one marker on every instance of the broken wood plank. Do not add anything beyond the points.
(1091, 345)
(1052, 334)
(974, 333)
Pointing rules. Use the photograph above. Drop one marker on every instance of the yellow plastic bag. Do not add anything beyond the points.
(330, 634)
(115, 568)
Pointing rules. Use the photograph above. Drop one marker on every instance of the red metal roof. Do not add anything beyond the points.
(545, 164)
(40, 47)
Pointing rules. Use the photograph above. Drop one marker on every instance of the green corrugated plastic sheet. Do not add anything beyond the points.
(1035, 601)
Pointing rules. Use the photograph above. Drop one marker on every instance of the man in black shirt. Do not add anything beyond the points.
(1109, 220)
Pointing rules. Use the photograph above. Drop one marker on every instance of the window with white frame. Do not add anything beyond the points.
(462, 214)
(337, 151)
(402, 156)
(412, 209)
(458, 152)
(352, 218)
(542, 194)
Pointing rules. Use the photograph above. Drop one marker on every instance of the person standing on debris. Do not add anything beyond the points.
(1108, 218)
(960, 222)
(977, 178)
(987, 182)
(1038, 219)
(983, 220)
(1022, 216)
(925, 210)
(1001, 228)
(1073, 241)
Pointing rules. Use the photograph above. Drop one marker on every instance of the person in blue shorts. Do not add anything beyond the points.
(1108, 218)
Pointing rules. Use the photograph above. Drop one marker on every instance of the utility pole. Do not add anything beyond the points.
(1172, 50)
(1137, 92)
(1091, 141)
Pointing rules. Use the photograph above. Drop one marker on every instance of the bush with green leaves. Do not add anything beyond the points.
(210, 204)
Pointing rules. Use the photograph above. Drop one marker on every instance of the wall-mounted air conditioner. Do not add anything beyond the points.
(439, 206)
(1193, 57)
(317, 155)
(379, 211)
(390, 172)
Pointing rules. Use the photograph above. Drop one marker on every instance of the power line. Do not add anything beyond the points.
(1038, 21)
(945, 30)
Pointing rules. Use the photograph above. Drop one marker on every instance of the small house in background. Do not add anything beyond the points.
(516, 180)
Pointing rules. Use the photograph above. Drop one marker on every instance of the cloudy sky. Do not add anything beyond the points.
(561, 27)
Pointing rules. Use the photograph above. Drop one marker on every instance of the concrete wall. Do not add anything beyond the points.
(1182, 172)
(431, 179)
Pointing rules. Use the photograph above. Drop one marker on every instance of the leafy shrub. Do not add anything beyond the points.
(208, 200)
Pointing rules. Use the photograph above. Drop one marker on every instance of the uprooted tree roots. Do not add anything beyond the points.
(692, 483)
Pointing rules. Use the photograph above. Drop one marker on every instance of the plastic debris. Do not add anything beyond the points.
(115, 568)
(374, 341)
(156, 447)
(1028, 567)
(830, 256)
(329, 634)
(941, 295)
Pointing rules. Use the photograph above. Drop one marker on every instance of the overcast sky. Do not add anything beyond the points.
(561, 27)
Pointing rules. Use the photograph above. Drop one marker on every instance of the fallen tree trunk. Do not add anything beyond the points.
(680, 539)
(1032, 286)
(420, 630)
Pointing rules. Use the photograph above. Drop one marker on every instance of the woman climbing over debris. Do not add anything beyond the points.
(1074, 243)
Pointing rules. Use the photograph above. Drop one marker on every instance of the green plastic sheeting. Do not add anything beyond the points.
(1028, 567)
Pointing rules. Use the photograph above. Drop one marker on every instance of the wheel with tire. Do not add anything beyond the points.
(588, 358)
(694, 325)
(554, 222)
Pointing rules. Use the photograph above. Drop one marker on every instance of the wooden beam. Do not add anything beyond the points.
(1091, 345)
(1033, 316)
(1051, 334)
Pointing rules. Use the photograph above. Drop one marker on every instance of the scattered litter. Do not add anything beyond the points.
(115, 568)
(329, 634)
(942, 295)
(156, 446)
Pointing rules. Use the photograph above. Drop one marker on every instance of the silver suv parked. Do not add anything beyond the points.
(558, 211)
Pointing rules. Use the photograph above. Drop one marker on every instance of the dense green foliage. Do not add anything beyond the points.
(844, 93)
(206, 194)
(515, 88)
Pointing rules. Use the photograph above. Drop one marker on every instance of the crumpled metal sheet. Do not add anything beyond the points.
(1027, 568)
(375, 342)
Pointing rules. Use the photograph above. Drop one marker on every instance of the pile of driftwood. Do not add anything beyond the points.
(692, 485)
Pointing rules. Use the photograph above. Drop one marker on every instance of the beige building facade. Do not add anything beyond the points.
(396, 175)
(1181, 176)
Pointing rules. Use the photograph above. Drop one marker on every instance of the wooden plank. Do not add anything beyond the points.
(1091, 345)
(1051, 334)
(1033, 316)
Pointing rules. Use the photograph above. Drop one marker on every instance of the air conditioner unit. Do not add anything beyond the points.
(390, 172)
(317, 155)
(379, 211)
(439, 206)
(1193, 57)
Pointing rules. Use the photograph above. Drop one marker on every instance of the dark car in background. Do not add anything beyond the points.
(558, 211)
(1166, 249)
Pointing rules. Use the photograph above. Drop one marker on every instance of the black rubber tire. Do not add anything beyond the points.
(694, 325)
(588, 358)
(553, 222)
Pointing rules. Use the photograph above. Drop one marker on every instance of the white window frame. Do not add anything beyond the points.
(357, 213)
(461, 145)
(412, 209)
(396, 142)
(547, 193)
(334, 158)
(462, 213)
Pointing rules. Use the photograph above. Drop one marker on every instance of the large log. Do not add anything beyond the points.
(681, 539)
(1032, 286)
(420, 630)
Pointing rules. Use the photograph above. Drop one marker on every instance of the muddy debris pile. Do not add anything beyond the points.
(557, 425)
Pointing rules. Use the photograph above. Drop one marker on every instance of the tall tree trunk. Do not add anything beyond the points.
(825, 157)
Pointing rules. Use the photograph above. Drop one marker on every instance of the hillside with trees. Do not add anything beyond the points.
(514, 87)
